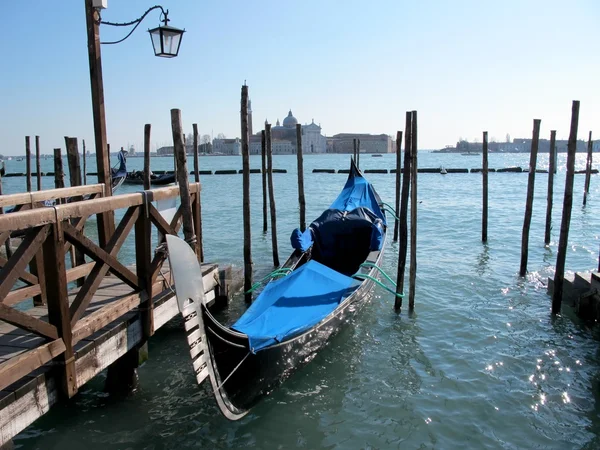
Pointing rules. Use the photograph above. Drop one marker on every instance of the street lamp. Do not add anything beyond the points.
(165, 39)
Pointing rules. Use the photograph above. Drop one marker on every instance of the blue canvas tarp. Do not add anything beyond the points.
(294, 304)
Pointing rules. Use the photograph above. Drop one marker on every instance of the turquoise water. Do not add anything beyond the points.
(480, 364)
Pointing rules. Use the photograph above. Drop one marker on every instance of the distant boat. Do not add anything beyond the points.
(376, 155)
(443, 170)
(470, 154)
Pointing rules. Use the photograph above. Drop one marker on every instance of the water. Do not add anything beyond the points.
(480, 364)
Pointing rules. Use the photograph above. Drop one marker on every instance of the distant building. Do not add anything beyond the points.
(369, 143)
(227, 146)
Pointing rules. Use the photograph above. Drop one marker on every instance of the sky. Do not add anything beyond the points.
(352, 66)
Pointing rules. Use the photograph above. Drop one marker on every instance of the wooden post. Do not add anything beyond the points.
(143, 258)
(413, 212)
(7, 242)
(73, 161)
(530, 189)
(301, 200)
(398, 174)
(38, 170)
(58, 304)
(246, 194)
(354, 151)
(146, 175)
(106, 221)
(182, 178)
(485, 170)
(272, 197)
(559, 274)
(588, 170)
(196, 161)
(358, 153)
(549, 198)
(28, 164)
(263, 155)
(197, 203)
(84, 162)
(402, 245)
(59, 176)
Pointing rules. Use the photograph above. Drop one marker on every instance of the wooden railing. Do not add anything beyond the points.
(48, 234)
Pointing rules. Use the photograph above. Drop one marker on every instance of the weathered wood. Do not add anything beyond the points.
(84, 162)
(16, 368)
(263, 157)
(272, 207)
(84, 296)
(159, 221)
(59, 176)
(413, 212)
(143, 257)
(549, 198)
(358, 153)
(559, 274)
(68, 192)
(73, 161)
(27, 164)
(588, 170)
(398, 172)
(106, 221)
(196, 162)
(27, 322)
(38, 168)
(25, 219)
(98, 206)
(354, 151)
(18, 295)
(147, 182)
(403, 244)
(24, 276)
(530, 191)
(485, 171)
(301, 201)
(197, 203)
(246, 193)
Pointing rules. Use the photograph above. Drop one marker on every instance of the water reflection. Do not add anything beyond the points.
(482, 260)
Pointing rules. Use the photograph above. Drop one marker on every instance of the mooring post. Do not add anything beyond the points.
(549, 198)
(485, 170)
(182, 178)
(272, 196)
(38, 170)
(398, 170)
(354, 151)
(246, 195)
(559, 274)
(358, 153)
(146, 174)
(413, 212)
(530, 189)
(59, 176)
(28, 164)
(403, 244)
(301, 200)
(197, 203)
(588, 170)
(263, 156)
(84, 162)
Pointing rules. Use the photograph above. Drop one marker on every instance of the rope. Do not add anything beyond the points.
(390, 209)
(232, 372)
(276, 273)
(364, 276)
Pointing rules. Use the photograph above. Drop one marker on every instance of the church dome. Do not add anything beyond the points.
(290, 121)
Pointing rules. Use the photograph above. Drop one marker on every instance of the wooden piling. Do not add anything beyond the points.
(147, 182)
(73, 161)
(7, 242)
(413, 212)
(84, 162)
(263, 156)
(182, 178)
(559, 274)
(246, 194)
(27, 164)
(402, 245)
(197, 205)
(398, 172)
(272, 196)
(549, 198)
(301, 200)
(196, 162)
(354, 151)
(59, 176)
(588, 170)
(485, 171)
(38, 169)
(530, 189)
(358, 153)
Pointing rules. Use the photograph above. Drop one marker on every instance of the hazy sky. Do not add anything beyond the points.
(353, 66)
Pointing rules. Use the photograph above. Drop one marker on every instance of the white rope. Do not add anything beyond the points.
(232, 372)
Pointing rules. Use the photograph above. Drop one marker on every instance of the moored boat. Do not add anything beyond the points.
(323, 283)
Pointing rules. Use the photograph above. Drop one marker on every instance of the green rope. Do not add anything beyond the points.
(370, 264)
(375, 266)
(390, 209)
(276, 273)
(376, 281)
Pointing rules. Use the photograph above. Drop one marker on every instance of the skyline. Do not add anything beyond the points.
(354, 70)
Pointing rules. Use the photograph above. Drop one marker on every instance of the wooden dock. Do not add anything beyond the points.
(68, 307)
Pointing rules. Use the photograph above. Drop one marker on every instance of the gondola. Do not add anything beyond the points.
(119, 174)
(156, 180)
(323, 283)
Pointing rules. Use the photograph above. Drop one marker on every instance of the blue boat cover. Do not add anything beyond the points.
(293, 304)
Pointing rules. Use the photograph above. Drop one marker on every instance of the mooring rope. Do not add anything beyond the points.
(233, 371)
(364, 276)
(276, 273)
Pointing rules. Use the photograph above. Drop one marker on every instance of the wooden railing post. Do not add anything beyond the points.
(58, 304)
(143, 259)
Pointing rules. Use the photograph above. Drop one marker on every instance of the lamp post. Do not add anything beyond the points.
(165, 40)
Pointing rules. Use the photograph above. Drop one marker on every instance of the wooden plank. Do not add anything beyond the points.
(18, 295)
(52, 194)
(26, 321)
(22, 198)
(19, 260)
(79, 271)
(98, 206)
(163, 193)
(100, 255)
(24, 276)
(15, 368)
(24, 220)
